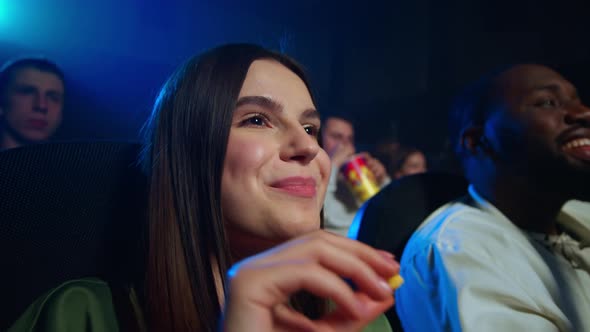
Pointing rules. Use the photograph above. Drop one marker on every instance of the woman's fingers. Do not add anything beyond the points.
(340, 321)
(288, 319)
(358, 266)
(276, 284)
(261, 286)
(366, 267)
(382, 262)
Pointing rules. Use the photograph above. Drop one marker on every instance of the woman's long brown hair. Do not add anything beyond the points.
(186, 140)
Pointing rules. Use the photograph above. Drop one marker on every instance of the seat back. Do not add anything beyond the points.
(388, 220)
(67, 210)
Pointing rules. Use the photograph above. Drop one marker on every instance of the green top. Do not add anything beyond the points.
(77, 305)
(87, 305)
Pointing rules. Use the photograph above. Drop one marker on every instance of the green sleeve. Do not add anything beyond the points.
(381, 324)
(77, 305)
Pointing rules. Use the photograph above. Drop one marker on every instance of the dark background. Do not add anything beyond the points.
(390, 65)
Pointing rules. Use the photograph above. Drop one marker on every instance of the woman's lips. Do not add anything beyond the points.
(296, 186)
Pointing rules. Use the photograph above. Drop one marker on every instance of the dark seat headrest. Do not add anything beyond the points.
(67, 210)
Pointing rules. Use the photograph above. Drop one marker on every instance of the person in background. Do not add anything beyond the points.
(341, 205)
(237, 181)
(31, 101)
(513, 255)
(406, 161)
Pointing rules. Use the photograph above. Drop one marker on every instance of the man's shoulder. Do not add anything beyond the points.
(455, 219)
(460, 225)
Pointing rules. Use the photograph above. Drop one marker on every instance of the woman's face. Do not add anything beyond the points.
(275, 174)
(414, 164)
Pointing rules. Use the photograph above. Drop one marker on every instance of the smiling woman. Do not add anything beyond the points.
(275, 173)
(237, 177)
(236, 169)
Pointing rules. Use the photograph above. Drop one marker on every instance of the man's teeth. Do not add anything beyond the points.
(577, 143)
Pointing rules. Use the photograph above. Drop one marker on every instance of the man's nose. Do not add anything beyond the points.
(40, 104)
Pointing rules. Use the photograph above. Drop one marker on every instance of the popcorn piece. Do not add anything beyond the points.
(395, 282)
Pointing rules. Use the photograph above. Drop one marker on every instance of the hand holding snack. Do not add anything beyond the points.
(260, 287)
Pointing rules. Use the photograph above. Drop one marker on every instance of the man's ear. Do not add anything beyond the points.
(471, 139)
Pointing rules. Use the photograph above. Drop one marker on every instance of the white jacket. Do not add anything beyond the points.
(471, 269)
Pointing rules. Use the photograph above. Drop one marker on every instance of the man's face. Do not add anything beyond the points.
(542, 128)
(33, 104)
(337, 132)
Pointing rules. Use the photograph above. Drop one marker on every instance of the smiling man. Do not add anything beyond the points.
(514, 255)
(31, 101)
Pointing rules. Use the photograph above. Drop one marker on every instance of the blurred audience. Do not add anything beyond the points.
(31, 101)
(513, 255)
(408, 161)
(341, 205)
(404, 161)
(384, 151)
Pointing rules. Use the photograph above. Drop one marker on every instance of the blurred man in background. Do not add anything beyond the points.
(31, 101)
(341, 205)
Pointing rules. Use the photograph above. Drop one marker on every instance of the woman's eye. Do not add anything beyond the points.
(311, 130)
(255, 121)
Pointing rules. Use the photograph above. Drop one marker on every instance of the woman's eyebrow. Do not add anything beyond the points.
(261, 101)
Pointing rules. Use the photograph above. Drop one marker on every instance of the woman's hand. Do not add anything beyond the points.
(261, 286)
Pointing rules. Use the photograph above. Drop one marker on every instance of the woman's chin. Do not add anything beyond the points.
(298, 229)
